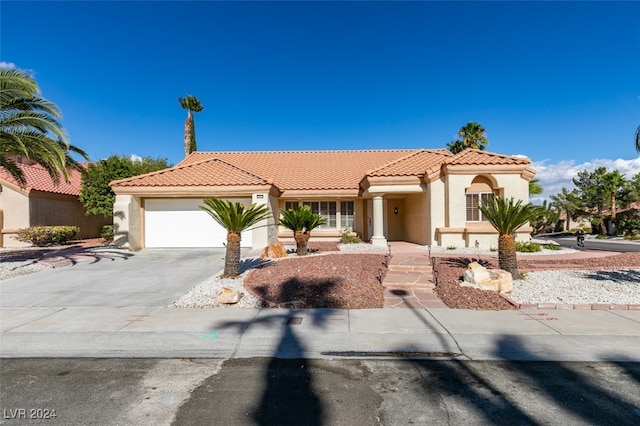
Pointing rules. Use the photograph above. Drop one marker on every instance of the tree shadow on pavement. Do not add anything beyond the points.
(571, 390)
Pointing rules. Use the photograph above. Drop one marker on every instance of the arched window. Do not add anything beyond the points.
(480, 191)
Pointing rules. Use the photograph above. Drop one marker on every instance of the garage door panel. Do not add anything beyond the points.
(181, 223)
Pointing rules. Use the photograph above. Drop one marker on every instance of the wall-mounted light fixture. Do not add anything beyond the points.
(395, 210)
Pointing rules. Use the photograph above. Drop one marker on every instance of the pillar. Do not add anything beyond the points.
(378, 238)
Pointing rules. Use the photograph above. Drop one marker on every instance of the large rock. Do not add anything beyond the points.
(477, 276)
(229, 296)
(274, 251)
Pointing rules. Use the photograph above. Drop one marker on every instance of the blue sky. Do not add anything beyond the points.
(558, 82)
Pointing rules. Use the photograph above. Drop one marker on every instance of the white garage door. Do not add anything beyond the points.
(181, 223)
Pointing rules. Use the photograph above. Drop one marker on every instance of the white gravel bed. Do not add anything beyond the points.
(204, 295)
(579, 287)
(473, 250)
(15, 269)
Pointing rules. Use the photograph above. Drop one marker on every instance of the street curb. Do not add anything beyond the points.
(570, 307)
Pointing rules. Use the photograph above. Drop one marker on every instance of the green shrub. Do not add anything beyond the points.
(552, 247)
(601, 236)
(451, 248)
(107, 233)
(527, 247)
(348, 237)
(42, 236)
(493, 249)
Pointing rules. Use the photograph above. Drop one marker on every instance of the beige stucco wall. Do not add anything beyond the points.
(454, 229)
(127, 222)
(15, 215)
(263, 233)
(48, 209)
(437, 207)
(417, 223)
(395, 222)
(44, 209)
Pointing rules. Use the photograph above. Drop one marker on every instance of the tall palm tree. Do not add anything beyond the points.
(638, 139)
(301, 221)
(191, 104)
(471, 135)
(30, 128)
(506, 216)
(613, 183)
(234, 218)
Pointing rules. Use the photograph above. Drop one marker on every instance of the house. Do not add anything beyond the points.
(424, 196)
(42, 202)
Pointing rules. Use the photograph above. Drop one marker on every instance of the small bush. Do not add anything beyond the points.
(107, 233)
(552, 247)
(493, 249)
(527, 247)
(601, 237)
(451, 248)
(42, 236)
(348, 237)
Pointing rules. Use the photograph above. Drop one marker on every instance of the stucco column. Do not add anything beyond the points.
(378, 238)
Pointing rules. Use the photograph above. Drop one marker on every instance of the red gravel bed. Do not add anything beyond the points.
(343, 281)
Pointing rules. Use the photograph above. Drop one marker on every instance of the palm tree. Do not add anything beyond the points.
(613, 183)
(638, 139)
(234, 218)
(191, 104)
(568, 202)
(535, 188)
(30, 128)
(506, 216)
(301, 221)
(472, 135)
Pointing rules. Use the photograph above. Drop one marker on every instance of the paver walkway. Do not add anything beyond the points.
(409, 281)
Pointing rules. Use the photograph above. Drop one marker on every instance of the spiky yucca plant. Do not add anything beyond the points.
(235, 218)
(301, 221)
(506, 216)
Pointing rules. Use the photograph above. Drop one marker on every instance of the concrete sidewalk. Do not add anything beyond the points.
(321, 333)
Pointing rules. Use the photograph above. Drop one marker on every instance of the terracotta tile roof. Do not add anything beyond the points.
(307, 170)
(474, 157)
(196, 174)
(416, 163)
(39, 180)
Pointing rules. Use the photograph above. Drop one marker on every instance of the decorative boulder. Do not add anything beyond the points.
(477, 276)
(229, 296)
(274, 251)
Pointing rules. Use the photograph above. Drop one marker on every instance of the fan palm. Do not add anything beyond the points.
(472, 135)
(535, 188)
(506, 216)
(191, 104)
(235, 218)
(30, 128)
(301, 221)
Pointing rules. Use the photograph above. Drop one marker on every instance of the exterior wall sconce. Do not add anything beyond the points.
(395, 210)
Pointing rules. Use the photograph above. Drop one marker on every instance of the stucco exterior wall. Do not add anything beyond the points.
(437, 207)
(127, 222)
(44, 209)
(15, 215)
(417, 223)
(48, 209)
(263, 232)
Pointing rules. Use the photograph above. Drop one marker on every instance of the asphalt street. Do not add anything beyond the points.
(268, 391)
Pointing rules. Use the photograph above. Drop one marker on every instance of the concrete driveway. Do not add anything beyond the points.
(115, 279)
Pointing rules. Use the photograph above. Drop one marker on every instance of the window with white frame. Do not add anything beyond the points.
(339, 215)
(473, 200)
(347, 213)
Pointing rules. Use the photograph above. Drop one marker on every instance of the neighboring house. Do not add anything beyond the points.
(42, 202)
(423, 196)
